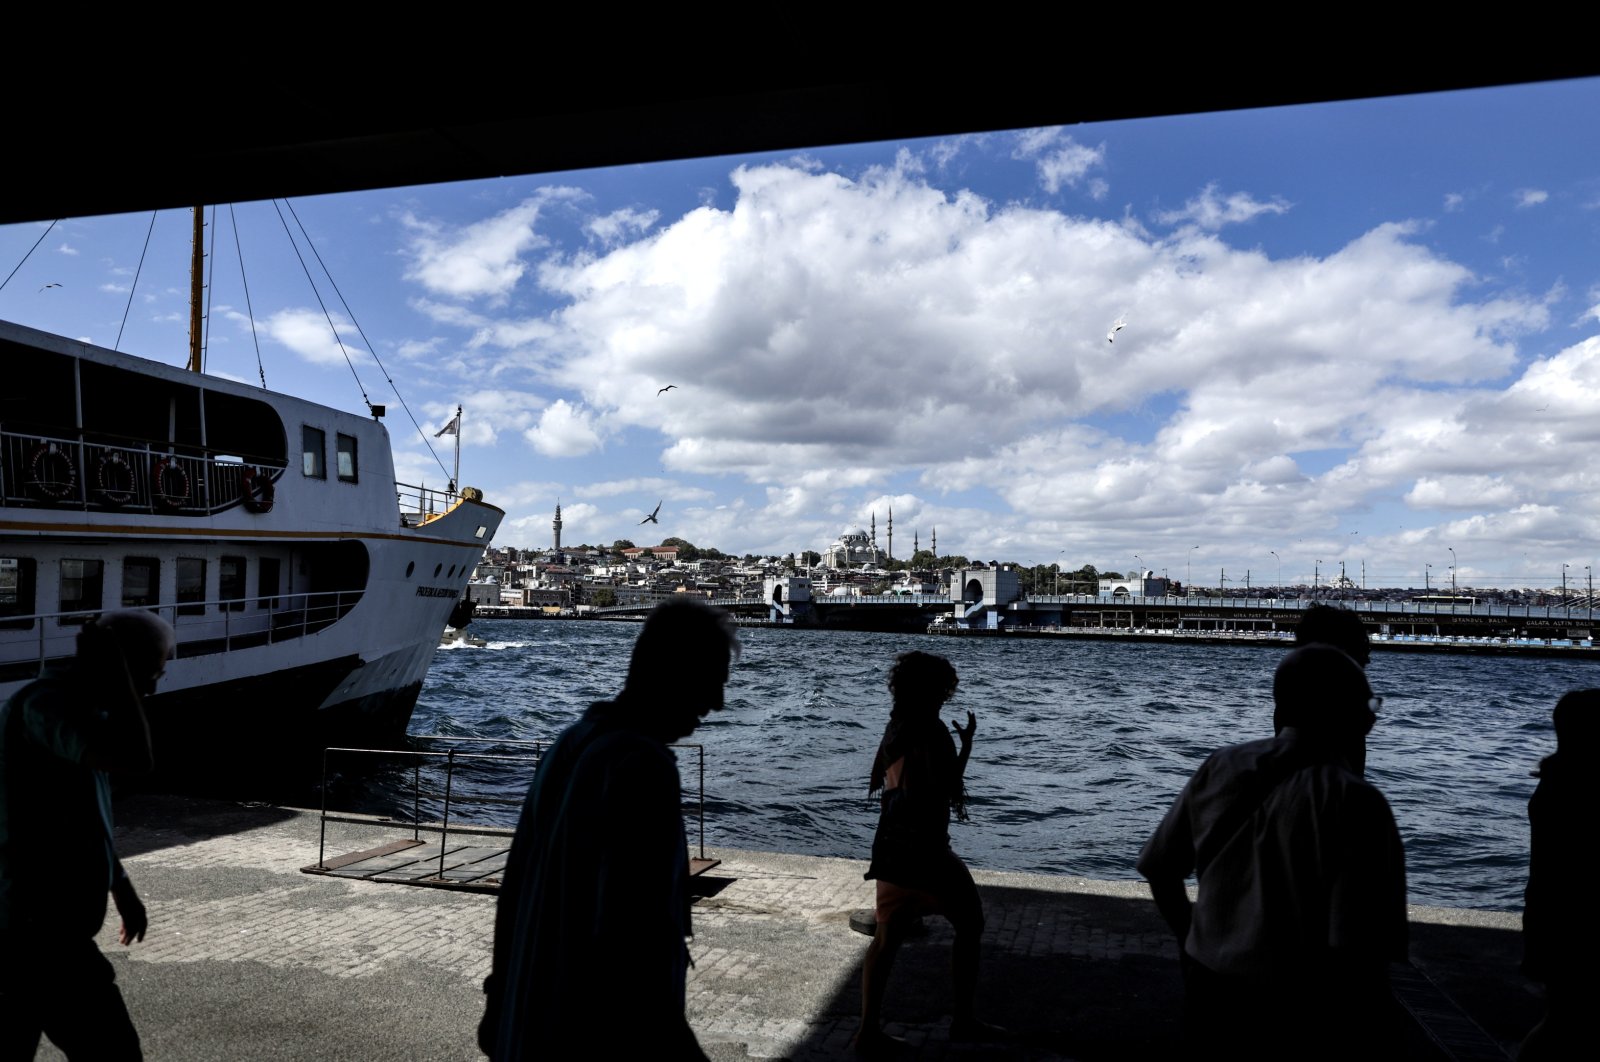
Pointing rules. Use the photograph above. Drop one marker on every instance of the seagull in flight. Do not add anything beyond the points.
(50, 286)
(1117, 326)
(665, 389)
(651, 519)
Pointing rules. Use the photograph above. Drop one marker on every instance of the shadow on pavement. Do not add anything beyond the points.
(148, 822)
(1074, 976)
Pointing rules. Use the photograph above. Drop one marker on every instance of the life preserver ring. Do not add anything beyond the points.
(54, 474)
(257, 489)
(166, 470)
(113, 478)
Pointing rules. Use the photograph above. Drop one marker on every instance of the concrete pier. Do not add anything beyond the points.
(249, 958)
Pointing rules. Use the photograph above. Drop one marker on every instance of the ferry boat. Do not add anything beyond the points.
(307, 588)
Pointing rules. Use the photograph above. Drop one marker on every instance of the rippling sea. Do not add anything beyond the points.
(1080, 747)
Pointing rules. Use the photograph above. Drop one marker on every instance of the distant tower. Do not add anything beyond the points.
(916, 548)
(874, 529)
(891, 532)
(935, 546)
(556, 527)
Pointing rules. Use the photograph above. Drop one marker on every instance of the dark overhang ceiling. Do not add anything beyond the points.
(81, 155)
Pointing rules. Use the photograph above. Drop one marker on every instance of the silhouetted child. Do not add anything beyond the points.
(1559, 934)
(920, 775)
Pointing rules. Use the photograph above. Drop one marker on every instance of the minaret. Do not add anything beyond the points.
(935, 546)
(874, 529)
(916, 548)
(556, 527)
(891, 532)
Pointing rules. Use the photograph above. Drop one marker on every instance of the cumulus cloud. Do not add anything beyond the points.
(484, 259)
(67, 249)
(659, 486)
(1462, 492)
(1211, 210)
(622, 224)
(487, 413)
(1527, 197)
(306, 333)
(1060, 160)
(564, 430)
(785, 323)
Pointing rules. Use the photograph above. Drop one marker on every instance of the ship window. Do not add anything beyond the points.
(16, 592)
(347, 457)
(313, 452)
(267, 582)
(191, 586)
(82, 582)
(230, 583)
(247, 427)
(141, 582)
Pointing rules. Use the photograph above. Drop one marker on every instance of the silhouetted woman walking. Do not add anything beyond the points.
(920, 775)
(1560, 940)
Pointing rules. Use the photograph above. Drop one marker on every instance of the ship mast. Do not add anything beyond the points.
(197, 265)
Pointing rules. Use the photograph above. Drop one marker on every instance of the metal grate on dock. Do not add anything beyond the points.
(465, 867)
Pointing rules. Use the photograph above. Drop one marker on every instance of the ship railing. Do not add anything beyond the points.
(443, 781)
(219, 625)
(419, 504)
(101, 475)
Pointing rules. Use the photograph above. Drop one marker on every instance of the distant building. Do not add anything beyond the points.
(1144, 584)
(853, 549)
(542, 596)
(662, 554)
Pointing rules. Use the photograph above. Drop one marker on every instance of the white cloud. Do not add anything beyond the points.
(659, 486)
(484, 259)
(1211, 210)
(306, 333)
(564, 430)
(1462, 492)
(1527, 197)
(67, 249)
(1454, 202)
(622, 224)
(1060, 160)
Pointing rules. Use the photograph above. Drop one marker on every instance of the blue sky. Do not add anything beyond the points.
(1364, 332)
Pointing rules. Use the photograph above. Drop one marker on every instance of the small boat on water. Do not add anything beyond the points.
(307, 587)
(454, 636)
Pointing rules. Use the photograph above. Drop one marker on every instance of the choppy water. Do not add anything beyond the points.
(1079, 751)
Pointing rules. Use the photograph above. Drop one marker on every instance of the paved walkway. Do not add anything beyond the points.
(248, 958)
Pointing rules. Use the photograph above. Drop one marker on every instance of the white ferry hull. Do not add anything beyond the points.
(307, 601)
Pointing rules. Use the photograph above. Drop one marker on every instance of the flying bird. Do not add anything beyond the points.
(651, 519)
(1119, 325)
(50, 286)
(665, 389)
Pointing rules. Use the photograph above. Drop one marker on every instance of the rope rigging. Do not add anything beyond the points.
(371, 350)
(249, 310)
(25, 257)
(135, 285)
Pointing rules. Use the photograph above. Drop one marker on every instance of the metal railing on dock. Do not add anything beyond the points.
(445, 791)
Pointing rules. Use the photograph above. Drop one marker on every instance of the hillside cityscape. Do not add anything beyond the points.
(573, 579)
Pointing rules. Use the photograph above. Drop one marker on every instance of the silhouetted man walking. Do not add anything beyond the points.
(1301, 874)
(590, 958)
(59, 736)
